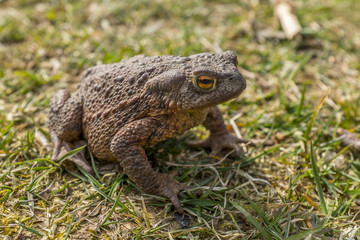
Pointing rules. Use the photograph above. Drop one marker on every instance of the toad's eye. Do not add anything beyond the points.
(204, 82)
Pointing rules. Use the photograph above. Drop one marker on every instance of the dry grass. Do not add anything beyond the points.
(307, 183)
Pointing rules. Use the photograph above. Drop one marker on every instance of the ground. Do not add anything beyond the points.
(301, 94)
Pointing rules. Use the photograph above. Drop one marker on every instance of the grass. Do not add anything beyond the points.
(299, 93)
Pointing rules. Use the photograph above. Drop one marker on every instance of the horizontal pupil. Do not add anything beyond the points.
(206, 81)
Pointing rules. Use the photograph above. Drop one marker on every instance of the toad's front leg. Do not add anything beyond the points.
(220, 137)
(127, 147)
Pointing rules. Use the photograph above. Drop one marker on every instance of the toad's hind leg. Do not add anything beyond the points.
(65, 115)
(65, 126)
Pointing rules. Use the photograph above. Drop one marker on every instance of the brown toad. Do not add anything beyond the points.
(121, 108)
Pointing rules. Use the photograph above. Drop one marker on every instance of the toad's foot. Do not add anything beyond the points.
(62, 147)
(170, 188)
(219, 142)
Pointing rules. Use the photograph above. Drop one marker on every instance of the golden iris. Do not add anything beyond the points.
(204, 82)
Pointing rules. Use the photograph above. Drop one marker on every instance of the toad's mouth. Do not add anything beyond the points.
(223, 98)
(228, 95)
(211, 102)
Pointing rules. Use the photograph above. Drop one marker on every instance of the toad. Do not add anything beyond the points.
(119, 109)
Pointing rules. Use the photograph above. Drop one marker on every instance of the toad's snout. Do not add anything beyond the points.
(237, 81)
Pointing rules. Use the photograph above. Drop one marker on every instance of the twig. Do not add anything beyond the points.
(252, 180)
(236, 129)
(289, 22)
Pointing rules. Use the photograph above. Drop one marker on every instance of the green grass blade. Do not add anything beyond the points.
(256, 208)
(71, 153)
(292, 76)
(31, 230)
(36, 160)
(353, 197)
(300, 66)
(235, 223)
(312, 120)
(301, 104)
(348, 176)
(303, 235)
(256, 224)
(112, 210)
(95, 184)
(89, 176)
(202, 202)
(339, 208)
(317, 180)
(158, 228)
(69, 228)
(116, 183)
(79, 176)
(339, 153)
(30, 137)
(63, 209)
(287, 229)
(36, 181)
(8, 191)
(101, 192)
(93, 166)
(268, 151)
